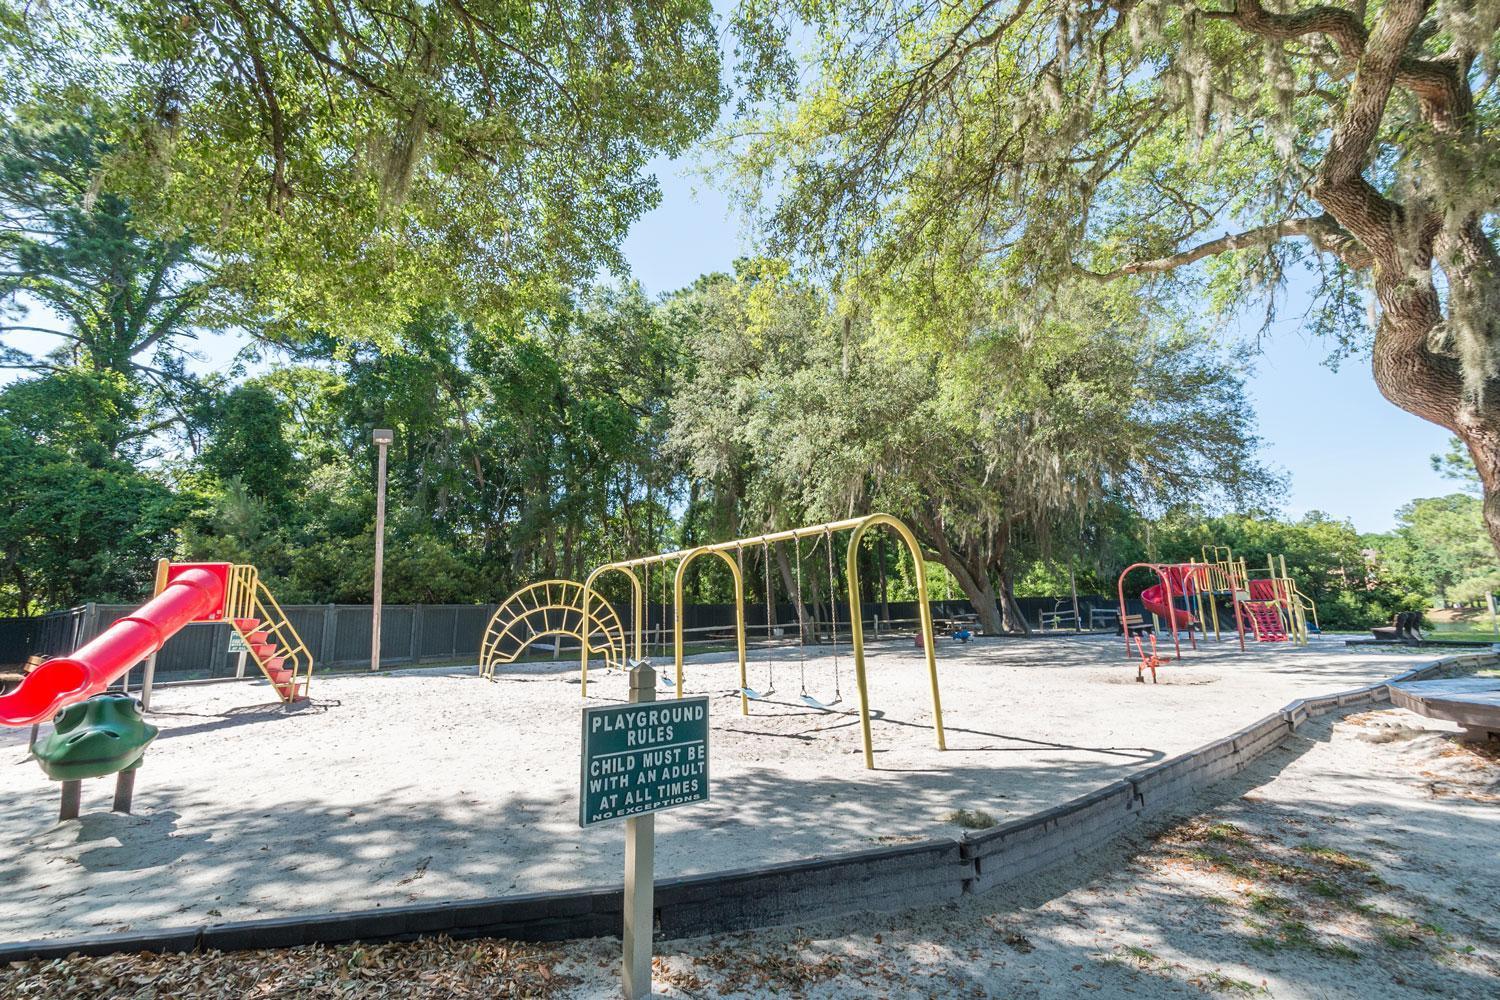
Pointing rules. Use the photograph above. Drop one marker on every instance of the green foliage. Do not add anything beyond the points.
(1441, 545)
(78, 520)
(356, 161)
(520, 453)
(974, 434)
(1458, 465)
(1055, 138)
(248, 444)
(75, 251)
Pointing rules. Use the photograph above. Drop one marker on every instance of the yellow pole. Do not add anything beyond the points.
(739, 615)
(856, 614)
(586, 600)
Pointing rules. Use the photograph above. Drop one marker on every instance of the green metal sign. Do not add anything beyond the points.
(237, 643)
(643, 757)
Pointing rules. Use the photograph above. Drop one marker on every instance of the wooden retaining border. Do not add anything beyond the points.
(882, 879)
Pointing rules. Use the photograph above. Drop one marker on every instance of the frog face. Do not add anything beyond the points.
(95, 737)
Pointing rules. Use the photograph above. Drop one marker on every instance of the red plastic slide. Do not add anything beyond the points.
(1263, 590)
(191, 593)
(1154, 598)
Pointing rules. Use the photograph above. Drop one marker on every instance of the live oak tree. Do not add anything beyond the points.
(975, 430)
(1105, 140)
(360, 159)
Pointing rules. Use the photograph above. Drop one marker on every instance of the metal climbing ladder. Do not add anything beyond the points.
(550, 608)
(273, 643)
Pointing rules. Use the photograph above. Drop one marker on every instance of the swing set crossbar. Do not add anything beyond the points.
(857, 526)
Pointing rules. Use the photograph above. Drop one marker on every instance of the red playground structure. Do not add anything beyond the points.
(1174, 581)
(185, 593)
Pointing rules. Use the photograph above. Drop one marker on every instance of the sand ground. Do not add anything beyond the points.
(433, 785)
(1356, 861)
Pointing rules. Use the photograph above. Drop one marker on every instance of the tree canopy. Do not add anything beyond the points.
(352, 161)
(976, 304)
(1066, 141)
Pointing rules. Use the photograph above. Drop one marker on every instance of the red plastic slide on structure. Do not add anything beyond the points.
(192, 593)
(1154, 597)
(1263, 590)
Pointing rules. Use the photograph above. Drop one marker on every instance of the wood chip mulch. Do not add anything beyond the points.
(437, 967)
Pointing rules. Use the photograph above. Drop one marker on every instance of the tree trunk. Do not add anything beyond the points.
(968, 568)
(789, 587)
(1431, 386)
(1015, 621)
(980, 591)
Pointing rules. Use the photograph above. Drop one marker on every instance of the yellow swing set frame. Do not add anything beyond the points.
(727, 551)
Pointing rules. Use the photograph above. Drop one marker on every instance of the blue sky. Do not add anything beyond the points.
(1345, 450)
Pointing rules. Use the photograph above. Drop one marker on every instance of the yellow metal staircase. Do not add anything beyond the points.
(273, 643)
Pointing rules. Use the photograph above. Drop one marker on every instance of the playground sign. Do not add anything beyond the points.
(237, 643)
(642, 757)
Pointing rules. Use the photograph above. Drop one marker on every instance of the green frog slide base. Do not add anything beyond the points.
(100, 736)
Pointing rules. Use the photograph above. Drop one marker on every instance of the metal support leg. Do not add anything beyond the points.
(147, 681)
(72, 796)
(124, 790)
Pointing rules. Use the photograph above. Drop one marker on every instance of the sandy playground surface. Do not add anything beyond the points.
(1356, 861)
(434, 785)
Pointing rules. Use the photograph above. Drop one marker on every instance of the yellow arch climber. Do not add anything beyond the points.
(550, 608)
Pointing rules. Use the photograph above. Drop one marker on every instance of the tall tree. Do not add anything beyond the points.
(75, 264)
(1116, 138)
(80, 522)
(974, 430)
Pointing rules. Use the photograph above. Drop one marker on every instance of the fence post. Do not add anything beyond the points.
(326, 645)
(86, 624)
(453, 639)
(416, 632)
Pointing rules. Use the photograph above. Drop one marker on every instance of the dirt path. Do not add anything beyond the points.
(1358, 861)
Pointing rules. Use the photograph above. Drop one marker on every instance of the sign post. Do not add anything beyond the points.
(637, 759)
(237, 645)
(640, 871)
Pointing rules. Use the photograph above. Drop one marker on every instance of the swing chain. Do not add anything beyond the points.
(765, 559)
(833, 612)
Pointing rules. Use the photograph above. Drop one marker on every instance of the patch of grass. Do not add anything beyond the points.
(1333, 856)
(1290, 933)
(1221, 983)
(1265, 944)
(1197, 831)
(1270, 904)
(1326, 889)
(1218, 859)
(1141, 958)
(971, 819)
(1398, 941)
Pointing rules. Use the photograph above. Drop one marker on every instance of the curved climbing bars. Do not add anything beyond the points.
(549, 608)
